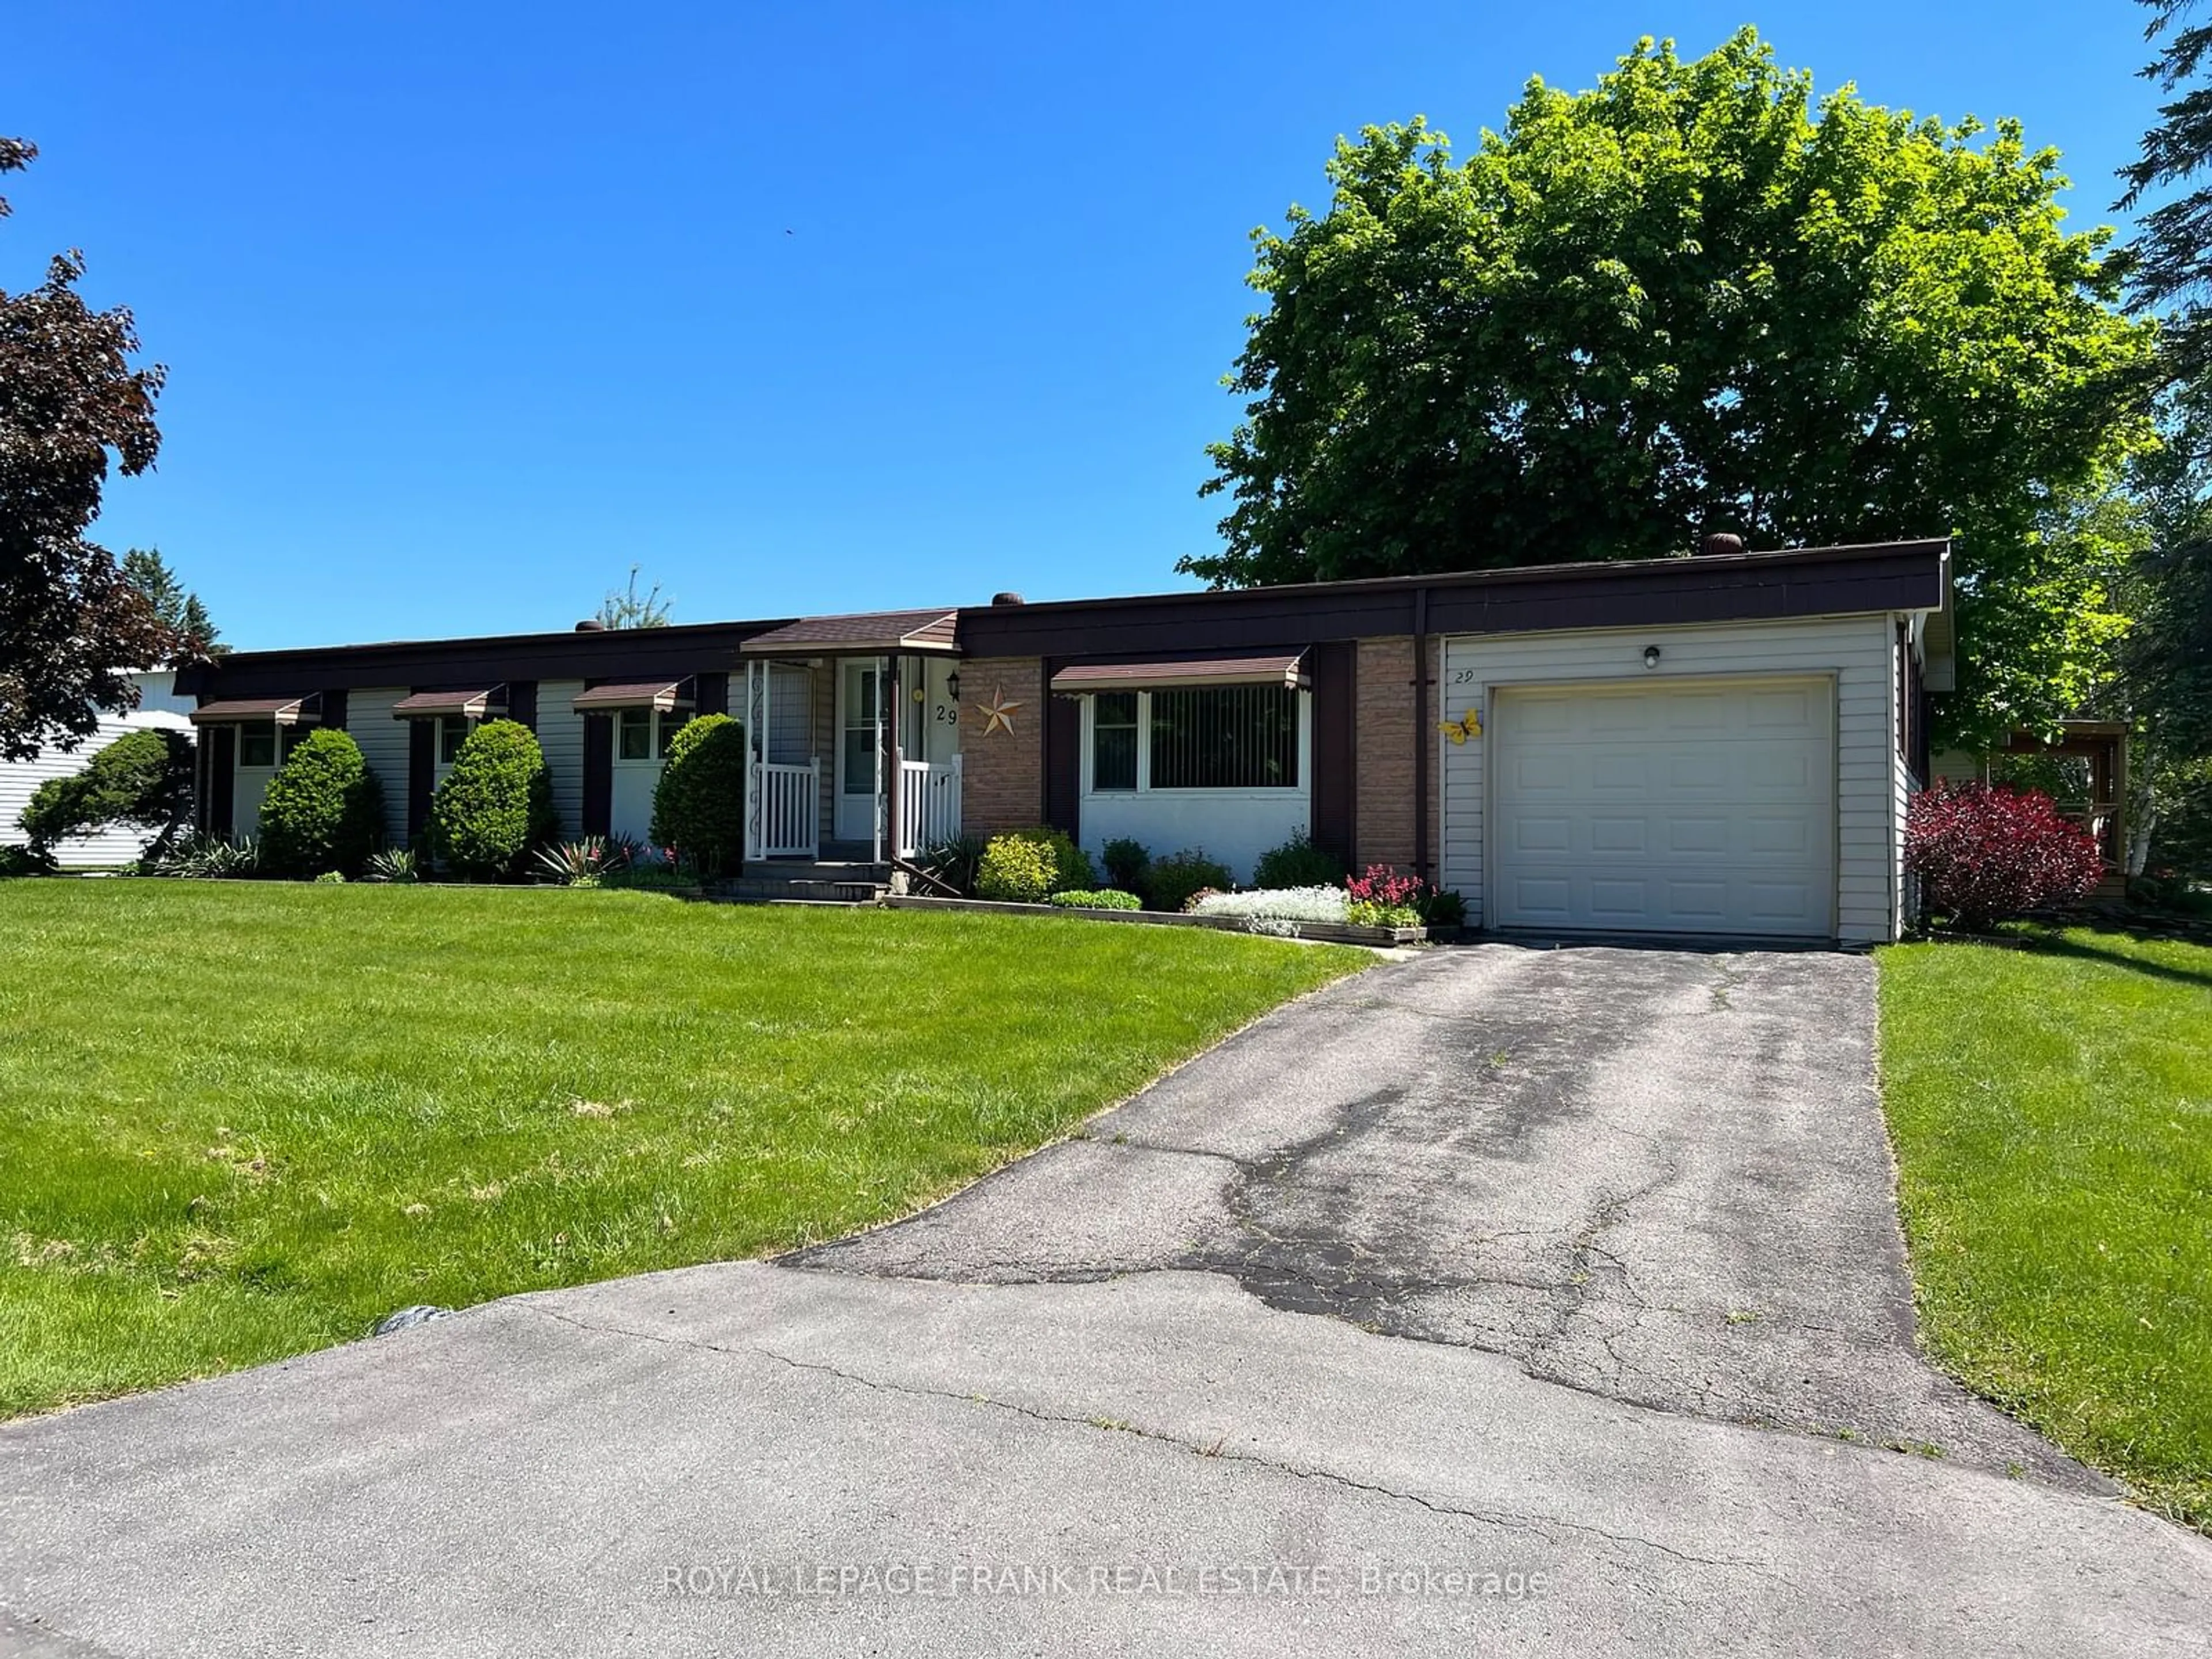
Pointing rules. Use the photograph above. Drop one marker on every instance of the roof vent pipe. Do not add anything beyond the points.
(1721, 542)
(1006, 598)
(591, 625)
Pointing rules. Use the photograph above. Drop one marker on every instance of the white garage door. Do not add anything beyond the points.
(1681, 806)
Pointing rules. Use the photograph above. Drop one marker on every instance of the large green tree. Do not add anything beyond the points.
(1695, 300)
(71, 627)
(178, 608)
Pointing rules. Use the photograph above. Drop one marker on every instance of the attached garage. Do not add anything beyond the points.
(1728, 780)
(1692, 806)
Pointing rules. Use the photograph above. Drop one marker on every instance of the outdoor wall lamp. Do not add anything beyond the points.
(952, 685)
(1651, 656)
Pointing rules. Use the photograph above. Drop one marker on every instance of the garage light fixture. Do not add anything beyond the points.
(1651, 656)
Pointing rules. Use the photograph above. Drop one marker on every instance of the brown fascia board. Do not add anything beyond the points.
(1647, 592)
(1652, 592)
(614, 654)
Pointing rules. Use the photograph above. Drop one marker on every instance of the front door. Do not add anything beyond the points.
(858, 747)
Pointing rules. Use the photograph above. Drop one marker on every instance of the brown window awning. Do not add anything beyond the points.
(1285, 669)
(661, 695)
(285, 711)
(867, 633)
(474, 703)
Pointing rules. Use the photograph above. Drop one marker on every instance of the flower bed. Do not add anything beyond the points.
(1331, 932)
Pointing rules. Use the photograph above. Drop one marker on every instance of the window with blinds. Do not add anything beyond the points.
(1224, 737)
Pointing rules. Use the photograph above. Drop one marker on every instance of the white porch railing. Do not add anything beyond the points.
(789, 798)
(929, 805)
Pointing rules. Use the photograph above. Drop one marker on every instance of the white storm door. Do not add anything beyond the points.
(858, 744)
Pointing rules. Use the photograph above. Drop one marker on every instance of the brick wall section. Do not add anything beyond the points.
(1384, 722)
(1002, 776)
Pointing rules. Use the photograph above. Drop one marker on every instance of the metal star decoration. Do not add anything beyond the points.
(998, 713)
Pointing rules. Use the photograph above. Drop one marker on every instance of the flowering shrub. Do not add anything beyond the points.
(1383, 898)
(1983, 852)
(1276, 904)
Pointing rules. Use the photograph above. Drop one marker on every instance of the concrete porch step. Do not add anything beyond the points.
(819, 882)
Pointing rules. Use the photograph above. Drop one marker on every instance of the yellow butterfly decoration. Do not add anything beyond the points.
(1469, 724)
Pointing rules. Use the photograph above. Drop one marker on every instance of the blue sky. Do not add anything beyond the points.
(468, 306)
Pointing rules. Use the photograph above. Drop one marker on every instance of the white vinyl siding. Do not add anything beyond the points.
(561, 735)
(1858, 650)
(20, 779)
(383, 742)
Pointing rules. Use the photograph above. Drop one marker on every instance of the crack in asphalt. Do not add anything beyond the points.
(1503, 1519)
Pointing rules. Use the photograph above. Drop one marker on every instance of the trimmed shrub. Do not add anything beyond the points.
(25, 861)
(144, 778)
(699, 804)
(1103, 898)
(1072, 867)
(495, 806)
(1126, 860)
(1983, 852)
(1174, 881)
(1015, 868)
(324, 810)
(1298, 863)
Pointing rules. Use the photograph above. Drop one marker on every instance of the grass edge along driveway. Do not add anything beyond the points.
(239, 1121)
(2052, 1113)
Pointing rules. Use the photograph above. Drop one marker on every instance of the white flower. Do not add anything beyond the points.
(1278, 904)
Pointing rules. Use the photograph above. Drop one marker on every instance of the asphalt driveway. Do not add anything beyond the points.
(1504, 1300)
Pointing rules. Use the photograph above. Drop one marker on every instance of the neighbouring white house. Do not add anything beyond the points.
(158, 706)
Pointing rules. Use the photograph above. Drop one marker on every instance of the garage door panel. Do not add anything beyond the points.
(1541, 835)
(1609, 834)
(1718, 816)
(1697, 835)
(1620, 772)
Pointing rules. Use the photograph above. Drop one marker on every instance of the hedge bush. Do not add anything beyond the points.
(1172, 882)
(699, 804)
(1104, 898)
(25, 861)
(495, 806)
(1126, 860)
(1298, 863)
(1015, 869)
(144, 778)
(1983, 852)
(323, 811)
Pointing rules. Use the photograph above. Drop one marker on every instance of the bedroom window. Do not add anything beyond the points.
(452, 732)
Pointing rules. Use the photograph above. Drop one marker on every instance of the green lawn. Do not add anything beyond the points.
(2052, 1114)
(241, 1119)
